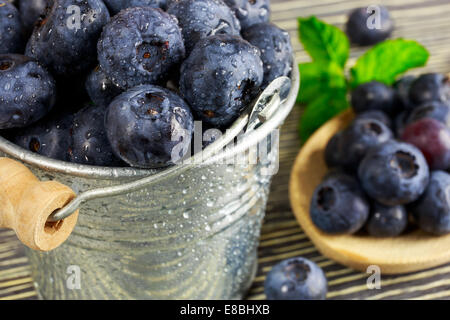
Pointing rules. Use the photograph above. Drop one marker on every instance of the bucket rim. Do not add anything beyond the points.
(34, 160)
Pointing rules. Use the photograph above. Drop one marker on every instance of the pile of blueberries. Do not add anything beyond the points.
(120, 82)
(389, 167)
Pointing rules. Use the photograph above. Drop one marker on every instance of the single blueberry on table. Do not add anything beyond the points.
(338, 205)
(296, 279)
(433, 139)
(432, 210)
(11, 29)
(100, 88)
(31, 11)
(361, 34)
(199, 19)
(64, 44)
(386, 221)
(376, 115)
(359, 138)
(394, 173)
(250, 12)
(115, 6)
(140, 45)
(276, 50)
(373, 95)
(90, 143)
(430, 87)
(27, 91)
(50, 137)
(222, 75)
(149, 126)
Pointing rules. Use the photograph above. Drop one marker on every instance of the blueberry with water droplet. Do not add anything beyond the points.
(250, 12)
(30, 11)
(216, 90)
(149, 126)
(68, 47)
(50, 137)
(140, 45)
(100, 88)
(296, 279)
(90, 144)
(11, 29)
(27, 91)
(115, 6)
(276, 50)
(199, 19)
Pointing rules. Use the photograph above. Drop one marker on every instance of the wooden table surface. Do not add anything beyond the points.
(427, 21)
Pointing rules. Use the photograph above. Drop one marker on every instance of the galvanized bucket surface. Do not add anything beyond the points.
(190, 235)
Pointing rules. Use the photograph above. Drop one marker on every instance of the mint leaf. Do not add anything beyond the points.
(387, 60)
(323, 42)
(321, 110)
(318, 78)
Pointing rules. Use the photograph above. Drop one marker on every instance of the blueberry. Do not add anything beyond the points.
(433, 139)
(149, 126)
(27, 91)
(386, 221)
(140, 46)
(333, 151)
(394, 173)
(50, 137)
(296, 279)
(439, 111)
(30, 12)
(360, 19)
(199, 19)
(90, 144)
(373, 95)
(115, 6)
(100, 88)
(250, 12)
(376, 115)
(220, 78)
(359, 138)
(64, 44)
(402, 87)
(338, 205)
(400, 121)
(11, 29)
(432, 210)
(430, 87)
(276, 50)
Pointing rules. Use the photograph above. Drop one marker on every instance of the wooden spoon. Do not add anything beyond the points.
(413, 251)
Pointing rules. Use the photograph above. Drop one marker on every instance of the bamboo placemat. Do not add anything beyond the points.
(426, 21)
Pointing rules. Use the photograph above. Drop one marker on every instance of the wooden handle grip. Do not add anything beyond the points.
(26, 203)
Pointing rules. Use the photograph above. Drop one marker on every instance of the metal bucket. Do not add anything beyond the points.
(191, 234)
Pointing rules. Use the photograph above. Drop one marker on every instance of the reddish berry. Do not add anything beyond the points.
(433, 139)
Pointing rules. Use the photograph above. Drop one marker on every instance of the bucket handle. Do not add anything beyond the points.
(256, 115)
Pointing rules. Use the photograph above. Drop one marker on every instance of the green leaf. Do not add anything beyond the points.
(318, 78)
(320, 111)
(387, 60)
(323, 41)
